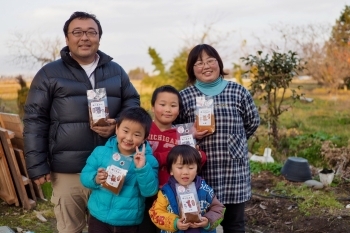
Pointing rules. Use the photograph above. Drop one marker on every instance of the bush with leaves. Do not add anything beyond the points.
(271, 77)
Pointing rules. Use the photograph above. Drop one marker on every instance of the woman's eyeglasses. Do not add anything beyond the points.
(201, 64)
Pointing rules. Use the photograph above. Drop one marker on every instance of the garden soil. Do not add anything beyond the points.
(265, 213)
(277, 214)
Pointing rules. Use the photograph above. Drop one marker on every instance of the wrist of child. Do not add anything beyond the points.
(175, 224)
(207, 227)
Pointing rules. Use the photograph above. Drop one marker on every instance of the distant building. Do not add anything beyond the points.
(304, 77)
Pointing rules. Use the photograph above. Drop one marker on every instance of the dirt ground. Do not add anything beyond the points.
(263, 214)
(279, 215)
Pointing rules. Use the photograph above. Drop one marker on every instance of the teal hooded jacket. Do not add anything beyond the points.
(126, 208)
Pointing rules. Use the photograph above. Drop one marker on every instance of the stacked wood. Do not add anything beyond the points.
(7, 190)
(15, 185)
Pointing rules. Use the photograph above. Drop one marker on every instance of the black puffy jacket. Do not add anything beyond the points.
(57, 134)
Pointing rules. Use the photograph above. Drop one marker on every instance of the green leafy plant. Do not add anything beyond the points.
(256, 167)
(308, 146)
(271, 77)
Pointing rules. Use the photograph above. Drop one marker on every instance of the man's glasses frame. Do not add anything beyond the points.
(80, 33)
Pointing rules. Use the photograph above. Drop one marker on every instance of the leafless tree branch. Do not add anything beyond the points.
(28, 49)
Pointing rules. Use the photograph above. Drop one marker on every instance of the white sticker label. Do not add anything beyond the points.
(115, 175)
(188, 203)
(187, 140)
(98, 110)
(204, 116)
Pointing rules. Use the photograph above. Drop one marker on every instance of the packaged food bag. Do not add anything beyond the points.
(184, 134)
(205, 119)
(189, 207)
(98, 107)
(117, 170)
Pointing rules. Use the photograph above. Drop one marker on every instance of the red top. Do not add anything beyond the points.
(161, 143)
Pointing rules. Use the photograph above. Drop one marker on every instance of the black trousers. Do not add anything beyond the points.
(234, 218)
(96, 226)
(147, 225)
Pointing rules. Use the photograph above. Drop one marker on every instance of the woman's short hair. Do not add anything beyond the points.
(195, 54)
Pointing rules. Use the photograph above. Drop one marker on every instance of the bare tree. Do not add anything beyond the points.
(327, 62)
(28, 50)
(176, 74)
(209, 33)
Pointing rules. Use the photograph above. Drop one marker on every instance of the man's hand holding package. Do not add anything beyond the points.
(106, 131)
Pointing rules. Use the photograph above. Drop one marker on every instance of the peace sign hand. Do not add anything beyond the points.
(140, 158)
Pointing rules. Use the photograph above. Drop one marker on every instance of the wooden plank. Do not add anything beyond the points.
(38, 191)
(7, 198)
(7, 190)
(18, 143)
(22, 167)
(14, 123)
(25, 180)
(14, 169)
(11, 134)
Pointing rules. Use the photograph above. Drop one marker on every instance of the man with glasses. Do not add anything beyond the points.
(57, 134)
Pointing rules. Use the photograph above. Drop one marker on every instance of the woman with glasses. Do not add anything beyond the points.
(236, 119)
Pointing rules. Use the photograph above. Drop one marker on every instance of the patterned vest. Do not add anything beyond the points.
(204, 199)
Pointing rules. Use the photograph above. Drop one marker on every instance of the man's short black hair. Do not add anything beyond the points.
(82, 15)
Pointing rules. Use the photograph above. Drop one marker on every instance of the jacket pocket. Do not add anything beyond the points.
(237, 146)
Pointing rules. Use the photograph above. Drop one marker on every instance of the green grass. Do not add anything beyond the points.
(256, 167)
(328, 116)
(305, 126)
(27, 220)
(308, 200)
(8, 105)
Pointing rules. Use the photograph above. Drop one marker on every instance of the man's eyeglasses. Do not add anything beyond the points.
(80, 33)
(201, 64)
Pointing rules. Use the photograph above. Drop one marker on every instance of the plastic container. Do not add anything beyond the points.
(326, 176)
(296, 169)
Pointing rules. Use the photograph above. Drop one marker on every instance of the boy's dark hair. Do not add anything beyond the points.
(189, 155)
(136, 114)
(196, 53)
(82, 15)
(169, 89)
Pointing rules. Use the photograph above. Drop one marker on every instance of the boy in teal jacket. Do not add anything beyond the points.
(130, 153)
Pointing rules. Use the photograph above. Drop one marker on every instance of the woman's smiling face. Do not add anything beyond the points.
(210, 70)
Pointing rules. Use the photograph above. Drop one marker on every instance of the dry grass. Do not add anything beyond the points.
(9, 88)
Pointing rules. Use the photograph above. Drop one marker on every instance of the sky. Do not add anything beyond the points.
(130, 27)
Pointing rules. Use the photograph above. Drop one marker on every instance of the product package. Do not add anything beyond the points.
(188, 203)
(205, 119)
(98, 107)
(184, 134)
(117, 170)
